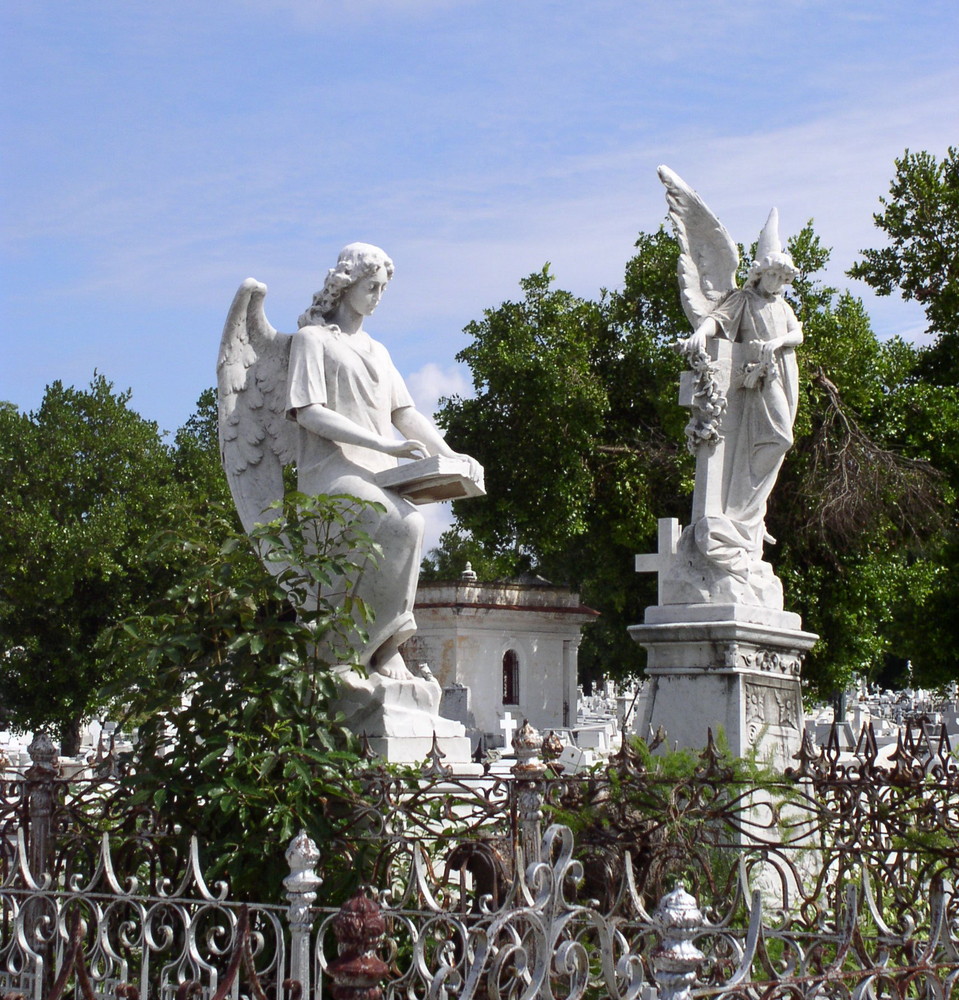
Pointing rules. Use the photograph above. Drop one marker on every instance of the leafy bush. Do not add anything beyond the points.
(236, 675)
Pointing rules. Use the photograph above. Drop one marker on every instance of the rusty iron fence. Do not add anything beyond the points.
(647, 878)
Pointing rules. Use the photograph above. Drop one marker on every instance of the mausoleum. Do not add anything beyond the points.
(504, 647)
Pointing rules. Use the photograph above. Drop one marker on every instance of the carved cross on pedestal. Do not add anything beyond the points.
(659, 562)
(509, 725)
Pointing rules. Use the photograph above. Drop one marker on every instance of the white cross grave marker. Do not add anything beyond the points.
(509, 725)
(659, 562)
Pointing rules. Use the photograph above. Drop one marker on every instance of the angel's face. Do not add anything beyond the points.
(771, 281)
(365, 295)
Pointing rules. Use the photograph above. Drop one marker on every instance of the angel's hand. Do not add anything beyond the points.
(475, 469)
(768, 349)
(255, 287)
(696, 344)
(406, 449)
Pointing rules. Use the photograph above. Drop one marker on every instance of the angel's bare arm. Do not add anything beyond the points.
(327, 423)
(793, 337)
(410, 422)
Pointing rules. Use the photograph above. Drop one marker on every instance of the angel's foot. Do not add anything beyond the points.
(393, 667)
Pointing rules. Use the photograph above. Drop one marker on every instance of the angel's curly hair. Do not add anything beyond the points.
(780, 262)
(356, 261)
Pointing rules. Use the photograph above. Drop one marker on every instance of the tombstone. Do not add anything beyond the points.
(722, 652)
(509, 725)
(575, 759)
(950, 718)
(455, 704)
(592, 738)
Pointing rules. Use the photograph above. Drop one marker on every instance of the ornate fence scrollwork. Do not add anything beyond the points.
(838, 878)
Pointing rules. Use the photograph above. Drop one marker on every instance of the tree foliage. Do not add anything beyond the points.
(568, 421)
(237, 741)
(85, 482)
(921, 219)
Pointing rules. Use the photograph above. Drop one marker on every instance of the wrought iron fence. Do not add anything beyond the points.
(693, 878)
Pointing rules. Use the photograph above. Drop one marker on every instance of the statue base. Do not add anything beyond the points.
(399, 717)
(734, 669)
(456, 750)
(696, 576)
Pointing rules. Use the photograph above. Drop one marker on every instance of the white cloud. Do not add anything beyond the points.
(432, 382)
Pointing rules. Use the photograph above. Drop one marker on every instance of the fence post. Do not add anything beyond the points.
(301, 884)
(40, 785)
(358, 971)
(529, 770)
(41, 795)
(676, 960)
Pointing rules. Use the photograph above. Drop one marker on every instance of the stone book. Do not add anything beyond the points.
(431, 480)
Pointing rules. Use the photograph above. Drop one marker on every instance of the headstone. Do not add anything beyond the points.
(575, 759)
(455, 704)
(592, 738)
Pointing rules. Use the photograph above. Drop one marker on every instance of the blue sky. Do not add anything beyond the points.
(155, 154)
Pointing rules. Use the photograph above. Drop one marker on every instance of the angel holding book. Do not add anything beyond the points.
(329, 398)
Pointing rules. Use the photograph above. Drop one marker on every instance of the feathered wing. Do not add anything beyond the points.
(708, 256)
(256, 439)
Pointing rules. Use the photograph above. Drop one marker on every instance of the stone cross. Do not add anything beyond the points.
(706, 392)
(509, 726)
(659, 562)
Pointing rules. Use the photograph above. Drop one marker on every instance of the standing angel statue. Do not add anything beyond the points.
(329, 397)
(747, 403)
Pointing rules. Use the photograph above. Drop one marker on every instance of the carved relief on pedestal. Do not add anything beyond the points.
(788, 662)
(769, 706)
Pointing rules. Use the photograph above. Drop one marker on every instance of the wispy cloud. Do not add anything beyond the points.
(153, 164)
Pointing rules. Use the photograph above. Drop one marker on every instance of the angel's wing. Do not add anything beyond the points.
(256, 439)
(708, 257)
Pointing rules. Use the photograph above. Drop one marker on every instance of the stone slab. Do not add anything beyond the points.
(665, 614)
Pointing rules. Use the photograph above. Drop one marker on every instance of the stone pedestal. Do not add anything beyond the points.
(400, 717)
(732, 668)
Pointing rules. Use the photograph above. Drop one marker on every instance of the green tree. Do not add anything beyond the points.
(196, 454)
(921, 219)
(860, 502)
(568, 419)
(85, 482)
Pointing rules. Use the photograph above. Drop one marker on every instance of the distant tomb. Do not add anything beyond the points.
(513, 644)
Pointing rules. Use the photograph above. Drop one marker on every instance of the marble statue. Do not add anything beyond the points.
(328, 398)
(722, 654)
(743, 392)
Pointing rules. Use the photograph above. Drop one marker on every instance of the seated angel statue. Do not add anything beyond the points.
(329, 397)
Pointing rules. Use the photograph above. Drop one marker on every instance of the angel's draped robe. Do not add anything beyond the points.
(364, 386)
(756, 448)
